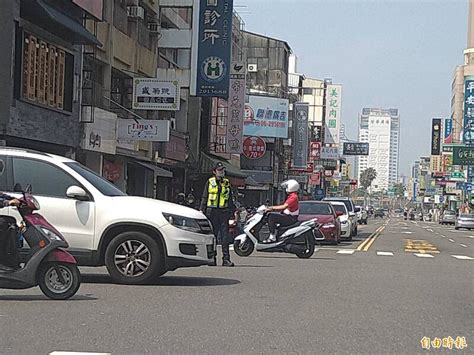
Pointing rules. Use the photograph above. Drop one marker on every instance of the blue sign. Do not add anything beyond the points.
(468, 187)
(266, 117)
(448, 129)
(468, 133)
(213, 42)
(319, 194)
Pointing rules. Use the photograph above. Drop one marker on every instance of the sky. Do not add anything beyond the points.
(398, 53)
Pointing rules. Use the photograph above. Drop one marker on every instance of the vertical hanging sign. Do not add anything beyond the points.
(300, 145)
(448, 131)
(236, 109)
(333, 114)
(211, 48)
(468, 132)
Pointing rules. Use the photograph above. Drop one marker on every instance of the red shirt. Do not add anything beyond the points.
(293, 204)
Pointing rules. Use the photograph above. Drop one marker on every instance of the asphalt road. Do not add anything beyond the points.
(415, 280)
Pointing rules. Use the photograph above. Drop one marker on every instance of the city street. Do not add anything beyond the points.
(398, 282)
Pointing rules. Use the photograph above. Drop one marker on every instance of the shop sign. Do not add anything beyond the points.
(329, 153)
(266, 117)
(448, 131)
(176, 148)
(211, 49)
(300, 127)
(101, 134)
(144, 130)
(156, 94)
(463, 155)
(355, 149)
(450, 188)
(436, 136)
(315, 150)
(326, 163)
(315, 179)
(468, 132)
(236, 109)
(333, 113)
(254, 147)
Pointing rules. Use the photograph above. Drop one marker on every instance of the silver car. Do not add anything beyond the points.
(448, 217)
(464, 221)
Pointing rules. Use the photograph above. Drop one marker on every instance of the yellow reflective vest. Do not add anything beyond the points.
(218, 194)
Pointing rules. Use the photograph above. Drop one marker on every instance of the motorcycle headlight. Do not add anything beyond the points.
(50, 234)
(181, 222)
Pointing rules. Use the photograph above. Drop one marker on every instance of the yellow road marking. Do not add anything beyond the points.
(369, 244)
(420, 246)
(359, 248)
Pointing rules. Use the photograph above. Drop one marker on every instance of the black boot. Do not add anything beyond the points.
(227, 262)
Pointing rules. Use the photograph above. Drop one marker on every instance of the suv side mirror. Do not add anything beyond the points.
(77, 193)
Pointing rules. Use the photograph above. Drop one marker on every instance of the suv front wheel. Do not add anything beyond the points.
(133, 258)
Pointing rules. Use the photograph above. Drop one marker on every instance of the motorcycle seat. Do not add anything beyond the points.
(281, 230)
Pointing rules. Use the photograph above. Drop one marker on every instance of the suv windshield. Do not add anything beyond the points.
(101, 184)
(315, 208)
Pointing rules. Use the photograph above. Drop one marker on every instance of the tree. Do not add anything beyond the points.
(367, 177)
(399, 189)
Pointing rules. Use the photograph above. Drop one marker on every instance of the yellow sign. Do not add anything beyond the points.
(459, 343)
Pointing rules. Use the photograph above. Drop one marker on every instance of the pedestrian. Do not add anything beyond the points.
(218, 205)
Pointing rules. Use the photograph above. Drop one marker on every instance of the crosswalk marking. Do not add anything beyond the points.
(420, 255)
(462, 257)
(385, 253)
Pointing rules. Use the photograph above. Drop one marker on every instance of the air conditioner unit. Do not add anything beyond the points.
(154, 27)
(136, 12)
(252, 68)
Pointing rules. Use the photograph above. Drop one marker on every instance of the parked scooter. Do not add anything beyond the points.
(48, 266)
(299, 238)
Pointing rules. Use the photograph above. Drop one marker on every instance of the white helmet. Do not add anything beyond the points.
(290, 186)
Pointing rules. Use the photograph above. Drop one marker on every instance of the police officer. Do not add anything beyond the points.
(217, 203)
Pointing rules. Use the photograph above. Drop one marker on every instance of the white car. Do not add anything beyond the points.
(346, 224)
(136, 238)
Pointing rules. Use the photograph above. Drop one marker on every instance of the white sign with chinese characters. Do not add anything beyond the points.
(100, 135)
(333, 114)
(144, 130)
(156, 94)
(236, 109)
(330, 153)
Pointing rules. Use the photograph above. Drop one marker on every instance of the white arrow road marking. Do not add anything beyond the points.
(462, 257)
(424, 255)
(407, 232)
(385, 253)
(346, 252)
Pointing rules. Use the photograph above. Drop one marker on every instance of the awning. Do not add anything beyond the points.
(156, 169)
(55, 21)
(208, 162)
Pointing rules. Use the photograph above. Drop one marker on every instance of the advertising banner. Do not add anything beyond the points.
(355, 149)
(211, 48)
(448, 131)
(333, 114)
(254, 147)
(144, 130)
(266, 117)
(436, 136)
(156, 94)
(100, 135)
(236, 109)
(463, 155)
(300, 142)
(468, 133)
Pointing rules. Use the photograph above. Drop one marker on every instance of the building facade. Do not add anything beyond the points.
(381, 129)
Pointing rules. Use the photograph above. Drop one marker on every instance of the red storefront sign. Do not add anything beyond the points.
(315, 150)
(112, 171)
(176, 148)
(254, 147)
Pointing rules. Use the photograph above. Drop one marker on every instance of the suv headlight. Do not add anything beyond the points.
(181, 222)
(50, 234)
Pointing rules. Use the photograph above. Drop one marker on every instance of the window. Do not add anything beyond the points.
(97, 181)
(309, 208)
(47, 74)
(307, 91)
(44, 178)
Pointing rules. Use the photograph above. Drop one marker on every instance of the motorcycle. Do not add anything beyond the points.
(48, 265)
(298, 239)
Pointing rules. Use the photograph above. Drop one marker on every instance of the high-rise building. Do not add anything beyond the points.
(381, 129)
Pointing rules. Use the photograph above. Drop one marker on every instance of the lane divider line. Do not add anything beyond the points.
(451, 240)
(463, 245)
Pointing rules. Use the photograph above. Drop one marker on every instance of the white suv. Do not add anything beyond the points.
(136, 238)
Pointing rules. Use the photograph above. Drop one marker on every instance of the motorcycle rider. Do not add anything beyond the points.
(287, 212)
(217, 203)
